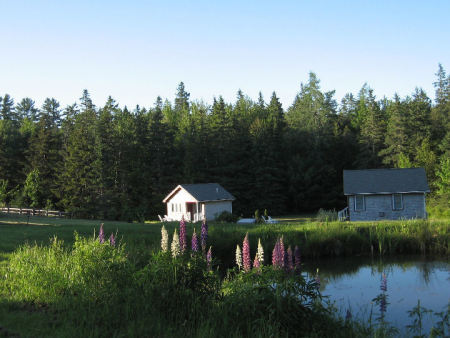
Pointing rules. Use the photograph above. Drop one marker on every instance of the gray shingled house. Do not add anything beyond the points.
(379, 194)
(195, 202)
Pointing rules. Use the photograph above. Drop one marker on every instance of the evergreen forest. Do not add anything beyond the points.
(119, 163)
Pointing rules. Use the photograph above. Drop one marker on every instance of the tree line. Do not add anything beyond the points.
(115, 163)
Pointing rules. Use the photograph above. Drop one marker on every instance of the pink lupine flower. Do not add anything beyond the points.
(278, 255)
(204, 234)
(256, 264)
(183, 241)
(209, 258)
(290, 260)
(101, 234)
(194, 242)
(112, 240)
(246, 260)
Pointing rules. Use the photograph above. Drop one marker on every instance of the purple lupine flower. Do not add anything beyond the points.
(297, 258)
(204, 234)
(194, 242)
(256, 264)
(112, 240)
(246, 260)
(274, 255)
(383, 303)
(289, 260)
(101, 234)
(383, 286)
(183, 241)
(209, 258)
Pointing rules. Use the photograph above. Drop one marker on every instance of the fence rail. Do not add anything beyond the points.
(35, 212)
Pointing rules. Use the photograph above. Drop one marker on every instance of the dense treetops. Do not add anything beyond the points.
(118, 163)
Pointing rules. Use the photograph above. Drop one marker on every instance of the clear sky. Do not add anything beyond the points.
(137, 50)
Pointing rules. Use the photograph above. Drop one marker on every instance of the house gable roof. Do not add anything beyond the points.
(385, 181)
(203, 192)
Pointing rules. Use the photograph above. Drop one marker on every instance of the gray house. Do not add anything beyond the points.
(379, 194)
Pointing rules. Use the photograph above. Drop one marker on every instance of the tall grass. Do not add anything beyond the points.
(92, 289)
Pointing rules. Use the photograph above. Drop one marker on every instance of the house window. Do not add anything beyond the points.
(172, 206)
(397, 201)
(359, 202)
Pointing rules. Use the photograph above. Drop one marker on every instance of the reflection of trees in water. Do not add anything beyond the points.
(332, 270)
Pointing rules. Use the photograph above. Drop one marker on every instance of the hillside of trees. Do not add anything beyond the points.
(114, 163)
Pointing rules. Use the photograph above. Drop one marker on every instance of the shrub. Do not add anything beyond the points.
(327, 215)
(226, 217)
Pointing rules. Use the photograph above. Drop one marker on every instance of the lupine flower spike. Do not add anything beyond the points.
(246, 260)
(209, 258)
(290, 260)
(183, 240)
(164, 239)
(278, 255)
(101, 234)
(204, 234)
(194, 242)
(256, 264)
(283, 253)
(260, 253)
(238, 257)
(297, 258)
(112, 240)
(175, 247)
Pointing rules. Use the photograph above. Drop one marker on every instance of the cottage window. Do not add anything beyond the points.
(359, 202)
(397, 201)
(172, 207)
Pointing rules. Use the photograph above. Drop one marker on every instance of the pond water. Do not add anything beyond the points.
(376, 288)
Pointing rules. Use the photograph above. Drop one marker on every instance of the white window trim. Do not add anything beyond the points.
(401, 202)
(364, 203)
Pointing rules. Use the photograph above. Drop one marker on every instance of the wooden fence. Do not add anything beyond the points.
(35, 212)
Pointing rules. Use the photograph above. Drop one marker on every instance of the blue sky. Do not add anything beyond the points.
(136, 50)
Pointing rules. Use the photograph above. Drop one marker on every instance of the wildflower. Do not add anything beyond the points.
(278, 255)
(194, 242)
(289, 260)
(383, 286)
(175, 247)
(297, 258)
(204, 234)
(256, 264)
(260, 253)
(238, 257)
(101, 234)
(183, 241)
(246, 260)
(209, 258)
(112, 240)
(164, 239)
(282, 252)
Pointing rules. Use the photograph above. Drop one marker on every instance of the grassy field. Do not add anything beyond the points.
(80, 288)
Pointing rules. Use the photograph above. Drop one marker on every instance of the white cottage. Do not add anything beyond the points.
(195, 202)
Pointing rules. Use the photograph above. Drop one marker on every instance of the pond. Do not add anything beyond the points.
(385, 289)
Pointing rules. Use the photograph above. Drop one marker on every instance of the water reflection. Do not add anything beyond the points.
(384, 290)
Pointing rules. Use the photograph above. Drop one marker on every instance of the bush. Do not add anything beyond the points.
(327, 215)
(226, 217)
